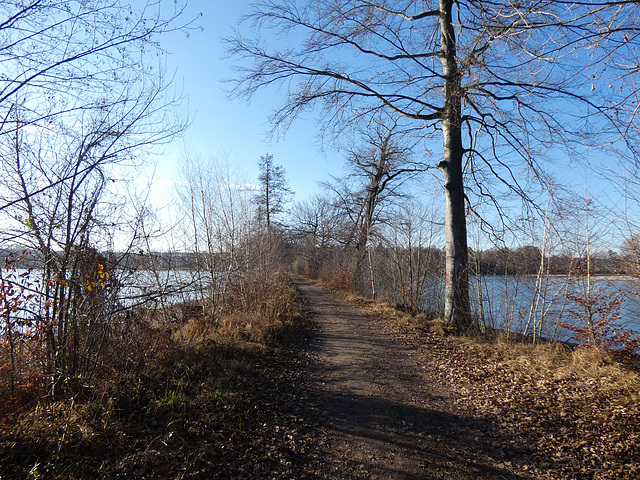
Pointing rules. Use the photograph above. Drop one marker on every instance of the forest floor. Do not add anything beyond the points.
(352, 389)
(395, 399)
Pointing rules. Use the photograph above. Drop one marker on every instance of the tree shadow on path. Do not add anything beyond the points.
(383, 415)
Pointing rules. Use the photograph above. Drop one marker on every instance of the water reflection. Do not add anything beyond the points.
(540, 306)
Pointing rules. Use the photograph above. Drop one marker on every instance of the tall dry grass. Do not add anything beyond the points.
(257, 309)
(156, 385)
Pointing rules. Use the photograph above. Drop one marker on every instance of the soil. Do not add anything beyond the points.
(381, 410)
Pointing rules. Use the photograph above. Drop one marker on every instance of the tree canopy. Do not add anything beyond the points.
(503, 82)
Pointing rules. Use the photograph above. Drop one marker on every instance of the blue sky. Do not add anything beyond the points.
(225, 127)
(221, 126)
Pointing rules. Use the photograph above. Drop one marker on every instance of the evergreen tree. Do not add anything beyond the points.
(274, 190)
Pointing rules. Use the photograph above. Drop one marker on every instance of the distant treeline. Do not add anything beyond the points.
(139, 260)
(505, 261)
(527, 260)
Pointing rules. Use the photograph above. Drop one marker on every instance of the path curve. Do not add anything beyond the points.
(382, 413)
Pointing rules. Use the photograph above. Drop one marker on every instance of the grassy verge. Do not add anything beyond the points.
(212, 408)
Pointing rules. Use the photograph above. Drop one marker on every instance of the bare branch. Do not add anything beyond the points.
(432, 13)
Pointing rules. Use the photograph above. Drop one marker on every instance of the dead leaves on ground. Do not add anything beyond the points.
(203, 414)
(576, 413)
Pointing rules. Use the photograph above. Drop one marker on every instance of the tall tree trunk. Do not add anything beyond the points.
(457, 310)
(373, 191)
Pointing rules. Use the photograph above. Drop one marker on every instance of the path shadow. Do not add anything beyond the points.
(447, 446)
(381, 436)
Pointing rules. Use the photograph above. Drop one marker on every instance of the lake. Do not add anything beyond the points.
(126, 288)
(531, 305)
(526, 305)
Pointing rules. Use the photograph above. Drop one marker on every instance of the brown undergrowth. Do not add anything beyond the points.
(576, 411)
(209, 404)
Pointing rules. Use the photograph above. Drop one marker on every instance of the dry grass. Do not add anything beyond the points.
(556, 362)
(260, 310)
(549, 361)
(574, 412)
(166, 396)
(577, 410)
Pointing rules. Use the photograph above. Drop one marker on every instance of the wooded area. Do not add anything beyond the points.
(502, 83)
(457, 120)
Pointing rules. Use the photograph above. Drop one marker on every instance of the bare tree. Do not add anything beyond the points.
(383, 164)
(631, 255)
(502, 81)
(412, 273)
(379, 168)
(70, 65)
(217, 212)
(81, 102)
(316, 227)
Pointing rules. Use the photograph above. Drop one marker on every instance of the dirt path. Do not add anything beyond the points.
(382, 414)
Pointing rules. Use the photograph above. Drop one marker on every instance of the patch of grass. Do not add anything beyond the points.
(201, 409)
(173, 400)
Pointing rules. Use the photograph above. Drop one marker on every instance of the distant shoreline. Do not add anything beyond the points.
(604, 277)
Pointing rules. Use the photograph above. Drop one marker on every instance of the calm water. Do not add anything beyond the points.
(520, 304)
(129, 288)
(525, 303)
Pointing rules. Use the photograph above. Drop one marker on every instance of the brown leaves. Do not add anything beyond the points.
(578, 419)
(206, 411)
